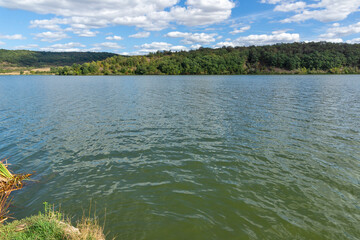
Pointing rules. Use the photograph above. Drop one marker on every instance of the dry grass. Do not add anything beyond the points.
(88, 228)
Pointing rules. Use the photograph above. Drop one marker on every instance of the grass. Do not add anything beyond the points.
(51, 225)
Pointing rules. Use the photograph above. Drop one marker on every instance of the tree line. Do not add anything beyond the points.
(293, 58)
(25, 58)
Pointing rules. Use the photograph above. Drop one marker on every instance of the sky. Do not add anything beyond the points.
(136, 27)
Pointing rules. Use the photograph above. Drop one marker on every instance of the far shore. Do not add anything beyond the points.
(35, 71)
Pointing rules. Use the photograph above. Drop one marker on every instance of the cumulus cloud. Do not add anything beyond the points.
(192, 38)
(147, 14)
(50, 24)
(116, 38)
(333, 40)
(12, 37)
(78, 25)
(26, 47)
(262, 39)
(355, 40)
(56, 24)
(67, 47)
(196, 46)
(107, 45)
(289, 7)
(158, 46)
(321, 10)
(241, 30)
(82, 32)
(2, 43)
(140, 35)
(340, 31)
(51, 36)
(271, 1)
(202, 12)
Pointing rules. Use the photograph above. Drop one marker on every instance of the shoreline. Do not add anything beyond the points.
(250, 74)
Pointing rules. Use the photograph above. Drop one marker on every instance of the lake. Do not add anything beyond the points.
(189, 157)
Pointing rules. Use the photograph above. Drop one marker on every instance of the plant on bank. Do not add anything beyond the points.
(50, 225)
(9, 182)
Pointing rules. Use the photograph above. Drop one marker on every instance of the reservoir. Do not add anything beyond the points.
(189, 157)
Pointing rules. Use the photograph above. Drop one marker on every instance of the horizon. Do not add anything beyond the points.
(141, 27)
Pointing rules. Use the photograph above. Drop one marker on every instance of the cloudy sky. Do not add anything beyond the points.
(142, 26)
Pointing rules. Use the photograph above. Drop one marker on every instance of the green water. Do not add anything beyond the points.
(207, 157)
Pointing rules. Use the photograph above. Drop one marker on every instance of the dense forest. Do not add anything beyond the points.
(293, 58)
(25, 58)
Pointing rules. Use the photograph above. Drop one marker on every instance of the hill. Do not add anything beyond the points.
(293, 58)
(25, 58)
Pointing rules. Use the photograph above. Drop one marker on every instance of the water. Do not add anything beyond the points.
(206, 157)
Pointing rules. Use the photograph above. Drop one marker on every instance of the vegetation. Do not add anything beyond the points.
(48, 226)
(25, 58)
(294, 58)
(51, 226)
(8, 183)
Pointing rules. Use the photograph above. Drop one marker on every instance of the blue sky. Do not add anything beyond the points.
(142, 26)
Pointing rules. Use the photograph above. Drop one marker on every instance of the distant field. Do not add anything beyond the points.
(20, 71)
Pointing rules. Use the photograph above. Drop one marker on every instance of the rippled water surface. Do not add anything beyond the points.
(199, 157)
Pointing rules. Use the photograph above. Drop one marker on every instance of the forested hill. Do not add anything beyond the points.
(25, 58)
(294, 58)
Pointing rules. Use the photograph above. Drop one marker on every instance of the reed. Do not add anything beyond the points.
(9, 182)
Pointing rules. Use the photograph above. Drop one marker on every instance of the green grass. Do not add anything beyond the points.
(36, 227)
(51, 225)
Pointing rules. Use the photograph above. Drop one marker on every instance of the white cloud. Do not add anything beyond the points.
(50, 24)
(107, 45)
(321, 10)
(140, 35)
(280, 31)
(338, 31)
(226, 44)
(289, 7)
(78, 25)
(355, 40)
(202, 12)
(51, 36)
(262, 39)
(196, 46)
(12, 37)
(26, 47)
(147, 14)
(75, 23)
(333, 40)
(2, 43)
(116, 38)
(82, 32)
(159, 46)
(191, 38)
(67, 47)
(241, 30)
(271, 1)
